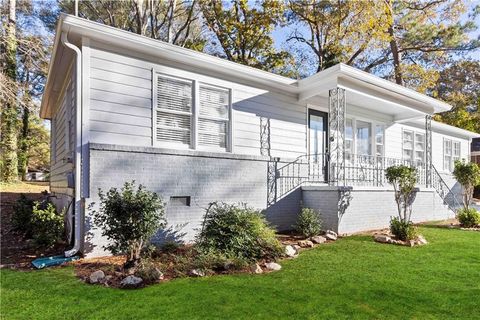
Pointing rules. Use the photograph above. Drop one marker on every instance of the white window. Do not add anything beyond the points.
(413, 146)
(191, 114)
(348, 139)
(364, 138)
(174, 110)
(213, 118)
(451, 153)
(379, 140)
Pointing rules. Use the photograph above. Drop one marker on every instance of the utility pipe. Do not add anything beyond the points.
(78, 145)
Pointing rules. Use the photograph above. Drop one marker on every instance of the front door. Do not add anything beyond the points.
(318, 144)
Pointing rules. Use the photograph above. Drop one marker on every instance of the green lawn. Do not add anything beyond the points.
(353, 278)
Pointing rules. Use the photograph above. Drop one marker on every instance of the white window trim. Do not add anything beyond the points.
(414, 140)
(453, 158)
(373, 141)
(168, 72)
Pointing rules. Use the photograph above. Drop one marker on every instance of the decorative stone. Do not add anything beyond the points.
(97, 276)
(318, 239)
(382, 238)
(257, 269)
(273, 266)
(290, 251)
(197, 273)
(296, 247)
(305, 244)
(331, 235)
(421, 240)
(131, 282)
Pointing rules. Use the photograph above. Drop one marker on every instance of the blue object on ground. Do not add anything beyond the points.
(41, 263)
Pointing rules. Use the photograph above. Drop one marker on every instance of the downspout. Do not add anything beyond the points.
(78, 146)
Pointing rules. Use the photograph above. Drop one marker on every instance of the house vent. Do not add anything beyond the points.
(180, 201)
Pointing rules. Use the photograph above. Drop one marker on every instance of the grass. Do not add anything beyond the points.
(353, 278)
(24, 187)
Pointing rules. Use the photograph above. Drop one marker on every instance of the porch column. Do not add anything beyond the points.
(428, 150)
(336, 136)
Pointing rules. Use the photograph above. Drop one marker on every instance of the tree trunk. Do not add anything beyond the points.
(397, 58)
(9, 113)
(23, 154)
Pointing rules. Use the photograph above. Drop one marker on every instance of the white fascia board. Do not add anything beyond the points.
(160, 49)
(45, 105)
(447, 129)
(363, 76)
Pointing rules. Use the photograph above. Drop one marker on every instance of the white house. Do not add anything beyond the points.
(196, 129)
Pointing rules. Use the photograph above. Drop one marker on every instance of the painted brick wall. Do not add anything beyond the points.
(205, 177)
(371, 209)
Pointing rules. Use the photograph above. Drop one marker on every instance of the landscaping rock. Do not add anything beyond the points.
(421, 240)
(97, 276)
(290, 251)
(305, 244)
(257, 269)
(296, 247)
(197, 273)
(382, 238)
(131, 282)
(318, 239)
(273, 266)
(331, 235)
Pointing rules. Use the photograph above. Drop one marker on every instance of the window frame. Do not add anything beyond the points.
(414, 150)
(196, 81)
(452, 156)
(373, 136)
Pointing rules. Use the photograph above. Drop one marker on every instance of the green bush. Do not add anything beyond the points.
(238, 231)
(47, 224)
(129, 218)
(468, 218)
(403, 230)
(309, 223)
(148, 271)
(216, 261)
(468, 175)
(22, 215)
(403, 179)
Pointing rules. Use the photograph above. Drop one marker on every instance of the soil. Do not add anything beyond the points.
(16, 251)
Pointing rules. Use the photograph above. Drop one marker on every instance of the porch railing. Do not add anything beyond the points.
(359, 170)
(444, 191)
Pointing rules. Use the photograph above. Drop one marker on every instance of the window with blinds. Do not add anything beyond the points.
(174, 110)
(213, 116)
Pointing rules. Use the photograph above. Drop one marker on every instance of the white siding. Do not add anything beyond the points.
(120, 106)
(393, 148)
(63, 140)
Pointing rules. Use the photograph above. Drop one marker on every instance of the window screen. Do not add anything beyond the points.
(174, 110)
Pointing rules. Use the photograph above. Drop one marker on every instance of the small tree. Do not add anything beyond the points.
(468, 175)
(129, 218)
(403, 179)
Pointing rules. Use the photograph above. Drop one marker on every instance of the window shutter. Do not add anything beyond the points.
(174, 110)
(213, 119)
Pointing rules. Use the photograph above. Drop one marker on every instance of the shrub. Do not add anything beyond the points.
(468, 175)
(47, 224)
(403, 230)
(129, 218)
(238, 231)
(218, 262)
(403, 179)
(22, 215)
(309, 223)
(469, 218)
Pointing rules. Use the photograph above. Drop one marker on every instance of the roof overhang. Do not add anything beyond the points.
(364, 89)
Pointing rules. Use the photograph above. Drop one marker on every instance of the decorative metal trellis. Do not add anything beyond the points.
(264, 136)
(428, 150)
(336, 136)
(272, 176)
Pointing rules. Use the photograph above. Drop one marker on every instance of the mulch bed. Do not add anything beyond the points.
(16, 251)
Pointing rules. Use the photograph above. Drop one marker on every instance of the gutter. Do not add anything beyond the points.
(78, 145)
